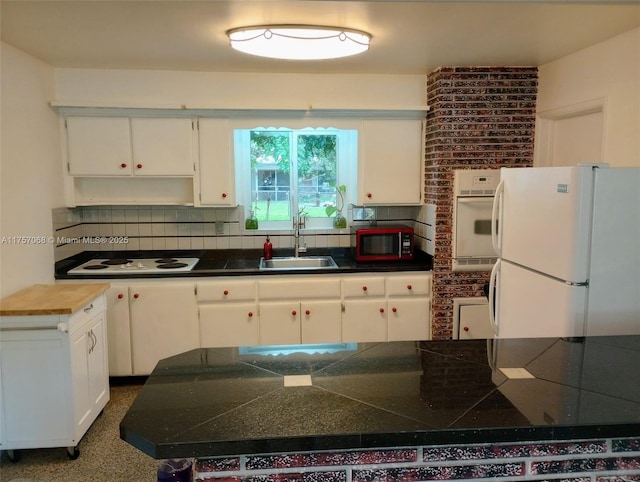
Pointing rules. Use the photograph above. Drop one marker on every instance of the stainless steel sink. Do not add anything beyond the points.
(303, 262)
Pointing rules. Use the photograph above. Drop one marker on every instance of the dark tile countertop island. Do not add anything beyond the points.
(225, 401)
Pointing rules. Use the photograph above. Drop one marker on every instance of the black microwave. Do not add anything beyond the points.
(385, 243)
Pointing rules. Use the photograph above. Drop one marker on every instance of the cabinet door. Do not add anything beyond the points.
(321, 321)
(82, 407)
(409, 319)
(364, 320)
(229, 324)
(163, 146)
(390, 164)
(99, 146)
(279, 323)
(217, 168)
(118, 331)
(164, 322)
(98, 364)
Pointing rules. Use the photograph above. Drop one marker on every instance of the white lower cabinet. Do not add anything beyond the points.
(408, 306)
(54, 378)
(164, 322)
(293, 322)
(297, 310)
(364, 320)
(228, 313)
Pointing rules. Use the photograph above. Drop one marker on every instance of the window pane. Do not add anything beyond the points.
(270, 175)
(317, 173)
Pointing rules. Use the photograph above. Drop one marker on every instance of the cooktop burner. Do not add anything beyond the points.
(171, 265)
(115, 261)
(123, 266)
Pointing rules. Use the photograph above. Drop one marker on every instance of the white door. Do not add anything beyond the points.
(530, 305)
(545, 220)
(162, 146)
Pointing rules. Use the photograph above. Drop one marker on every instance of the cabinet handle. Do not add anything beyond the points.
(225, 292)
(88, 308)
(294, 313)
(123, 165)
(394, 309)
(136, 296)
(307, 312)
(466, 328)
(364, 288)
(409, 287)
(139, 166)
(224, 195)
(369, 195)
(250, 314)
(381, 310)
(120, 296)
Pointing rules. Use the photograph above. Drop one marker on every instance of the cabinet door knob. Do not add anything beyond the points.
(123, 165)
(225, 292)
(294, 313)
(364, 288)
(394, 309)
(139, 166)
(466, 328)
(250, 314)
(369, 195)
(136, 296)
(307, 312)
(381, 310)
(224, 195)
(120, 296)
(409, 287)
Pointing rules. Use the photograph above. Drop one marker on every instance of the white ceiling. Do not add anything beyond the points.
(409, 37)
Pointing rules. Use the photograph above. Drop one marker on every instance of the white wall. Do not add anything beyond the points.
(604, 77)
(232, 90)
(30, 169)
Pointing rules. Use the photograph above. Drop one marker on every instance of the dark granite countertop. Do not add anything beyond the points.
(237, 262)
(224, 401)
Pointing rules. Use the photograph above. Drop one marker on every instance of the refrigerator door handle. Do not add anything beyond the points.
(492, 297)
(495, 212)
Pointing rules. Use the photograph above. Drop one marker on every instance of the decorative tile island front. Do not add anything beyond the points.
(397, 411)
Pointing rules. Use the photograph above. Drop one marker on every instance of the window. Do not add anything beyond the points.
(283, 172)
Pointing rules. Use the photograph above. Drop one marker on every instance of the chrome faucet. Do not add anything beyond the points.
(299, 222)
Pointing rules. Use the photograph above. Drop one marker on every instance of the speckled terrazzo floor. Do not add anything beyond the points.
(103, 456)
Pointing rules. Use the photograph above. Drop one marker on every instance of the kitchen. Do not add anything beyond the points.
(561, 85)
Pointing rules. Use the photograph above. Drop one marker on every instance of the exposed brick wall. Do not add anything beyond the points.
(602, 460)
(480, 117)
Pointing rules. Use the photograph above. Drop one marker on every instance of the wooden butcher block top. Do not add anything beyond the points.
(50, 299)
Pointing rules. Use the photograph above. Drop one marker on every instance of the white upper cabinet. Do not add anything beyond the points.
(163, 146)
(390, 161)
(99, 146)
(123, 146)
(217, 173)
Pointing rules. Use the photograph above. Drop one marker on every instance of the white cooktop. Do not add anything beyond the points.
(133, 265)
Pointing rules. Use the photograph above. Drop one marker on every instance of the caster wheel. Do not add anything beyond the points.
(14, 455)
(73, 452)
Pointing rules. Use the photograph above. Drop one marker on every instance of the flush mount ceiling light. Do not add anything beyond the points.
(299, 42)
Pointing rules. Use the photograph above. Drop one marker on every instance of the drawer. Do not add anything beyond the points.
(409, 285)
(226, 290)
(364, 287)
(299, 289)
(87, 312)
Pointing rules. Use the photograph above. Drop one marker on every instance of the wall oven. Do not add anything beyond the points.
(474, 190)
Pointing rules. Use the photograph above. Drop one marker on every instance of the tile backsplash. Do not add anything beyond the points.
(132, 228)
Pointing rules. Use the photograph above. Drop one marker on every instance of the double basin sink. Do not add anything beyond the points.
(292, 263)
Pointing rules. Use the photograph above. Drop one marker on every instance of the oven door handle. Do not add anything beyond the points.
(495, 221)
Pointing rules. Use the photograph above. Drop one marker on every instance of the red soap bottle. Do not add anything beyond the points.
(267, 251)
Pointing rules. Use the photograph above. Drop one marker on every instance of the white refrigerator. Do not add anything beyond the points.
(568, 247)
